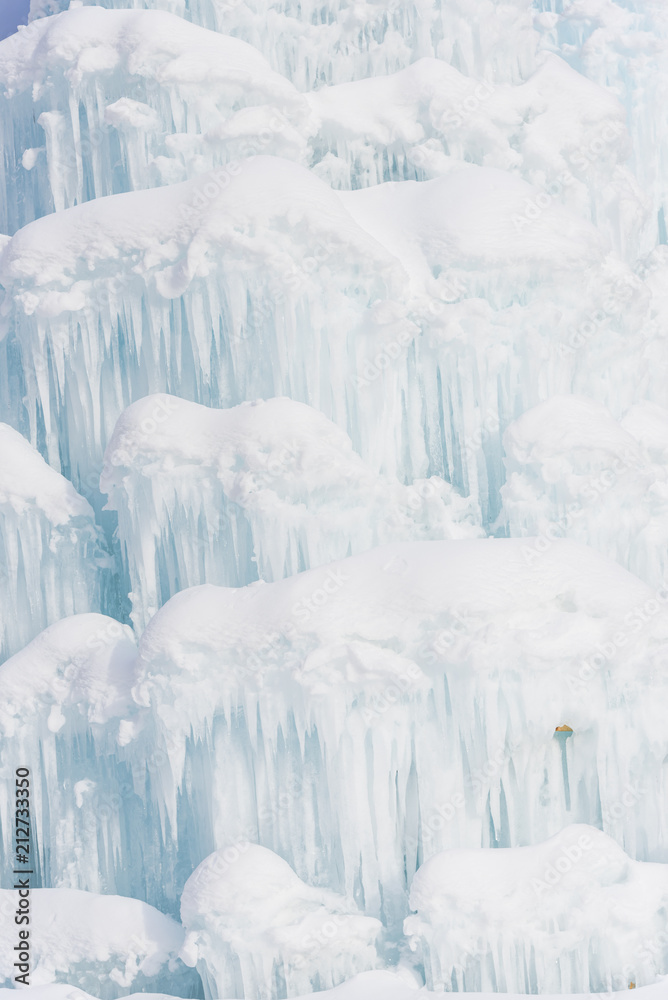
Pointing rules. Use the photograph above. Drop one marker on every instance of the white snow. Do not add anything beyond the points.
(254, 928)
(263, 489)
(573, 914)
(101, 944)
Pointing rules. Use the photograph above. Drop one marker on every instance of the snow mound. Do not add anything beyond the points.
(52, 555)
(266, 488)
(100, 944)
(254, 928)
(573, 914)
(446, 667)
(574, 470)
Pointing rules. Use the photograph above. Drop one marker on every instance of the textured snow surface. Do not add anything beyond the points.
(555, 913)
(263, 489)
(52, 554)
(106, 944)
(254, 927)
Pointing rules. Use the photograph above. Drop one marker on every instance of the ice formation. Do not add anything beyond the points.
(65, 697)
(255, 929)
(102, 944)
(101, 101)
(573, 914)
(432, 306)
(409, 125)
(202, 288)
(264, 489)
(348, 40)
(448, 688)
(53, 561)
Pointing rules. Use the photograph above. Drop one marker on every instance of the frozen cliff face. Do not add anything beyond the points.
(573, 914)
(255, 929)
(423, 303)
(360, 717)
(574, 471)
(264, 490)
(100, 943)
(315, 44)
(65, 698)
(52, 557)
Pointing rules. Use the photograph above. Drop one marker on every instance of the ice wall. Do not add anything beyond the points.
(53, 561)
(360, 717)
(404, 312)
(573, 914)
(255, 929)
(574, 471)
(101, 943)
(265, 489)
